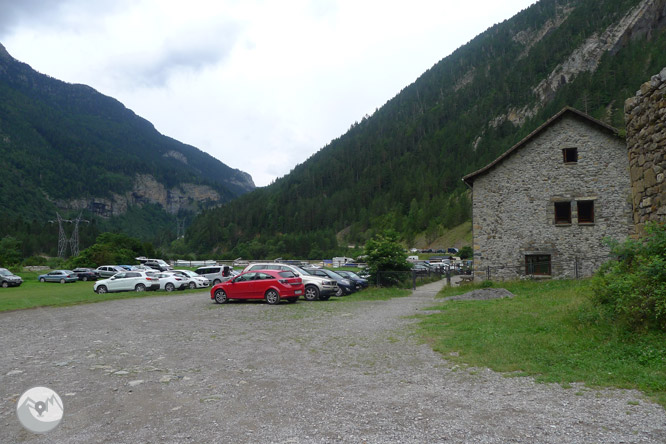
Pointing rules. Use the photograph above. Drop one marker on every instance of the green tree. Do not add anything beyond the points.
(386, 259)
(465, 252)
(10, 251)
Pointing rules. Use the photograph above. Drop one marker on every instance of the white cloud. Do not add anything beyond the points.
(260, 85)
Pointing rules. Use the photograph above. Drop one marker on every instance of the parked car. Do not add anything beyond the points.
(271, 285)
(9, 279)
(86, 274)
(155, 264)
(316, 287)
(106, 271)
(215, 273)
(196, 280)
(127, 281)
(345, 286)
(61, 276)
(420, 269)
(171, 281)
(356, 279)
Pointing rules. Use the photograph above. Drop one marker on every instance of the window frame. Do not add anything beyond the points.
(556, 213)
(570, 155)
(586, 203)
(536, 264)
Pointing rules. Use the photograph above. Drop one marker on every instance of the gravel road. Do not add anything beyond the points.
(179, 369)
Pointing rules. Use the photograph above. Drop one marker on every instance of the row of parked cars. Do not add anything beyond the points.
(274, 281)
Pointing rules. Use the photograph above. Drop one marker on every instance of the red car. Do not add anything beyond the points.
(271, 285)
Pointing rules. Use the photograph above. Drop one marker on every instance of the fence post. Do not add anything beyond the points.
(488, 273)
(576, 272)
(413, 279)
(448, 277)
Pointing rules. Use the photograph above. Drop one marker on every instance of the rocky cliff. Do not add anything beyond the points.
(644, 19)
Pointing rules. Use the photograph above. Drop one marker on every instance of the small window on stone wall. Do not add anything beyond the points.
(570, 155)
(563, 212)
(585, 211)
(537, 264)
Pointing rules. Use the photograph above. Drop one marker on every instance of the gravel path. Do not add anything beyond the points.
(179, 369)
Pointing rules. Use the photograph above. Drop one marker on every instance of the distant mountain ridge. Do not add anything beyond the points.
(66, 146)
(401, 167)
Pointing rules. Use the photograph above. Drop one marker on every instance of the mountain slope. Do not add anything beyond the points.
(401, 167)
(69, 147)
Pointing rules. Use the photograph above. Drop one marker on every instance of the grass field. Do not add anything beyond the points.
(33, 293)
(550, 331)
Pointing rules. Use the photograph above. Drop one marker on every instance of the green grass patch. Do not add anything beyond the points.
(374, 294)
(551, 331)
(33, 293)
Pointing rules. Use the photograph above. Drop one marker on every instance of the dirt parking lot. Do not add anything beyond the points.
(179, 369)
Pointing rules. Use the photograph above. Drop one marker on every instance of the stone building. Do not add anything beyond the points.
(645, 117)
(543, 208)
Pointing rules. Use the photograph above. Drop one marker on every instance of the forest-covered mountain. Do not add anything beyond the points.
(68, 147)
(401, 168)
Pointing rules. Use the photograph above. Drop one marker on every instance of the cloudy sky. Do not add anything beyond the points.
(259, 84)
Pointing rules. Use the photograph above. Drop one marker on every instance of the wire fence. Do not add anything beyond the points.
(413, 278)
(532, 268)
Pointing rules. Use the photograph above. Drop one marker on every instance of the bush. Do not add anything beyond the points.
(386, 259)
(34, 260)
(633, 287)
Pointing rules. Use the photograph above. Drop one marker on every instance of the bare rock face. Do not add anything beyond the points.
(176, 155)
(147, 190)
(642, 20)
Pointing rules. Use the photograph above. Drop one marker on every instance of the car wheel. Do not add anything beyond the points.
(42, 280)
(84, 278)
(169, 287)
(220, 296)
(62, 281)
(339, 292)
(217, 281)
(292, 300)
(311, 293)
(192, 285)
(272, 297)
(101, 289)
(140, 287)
(5, 285)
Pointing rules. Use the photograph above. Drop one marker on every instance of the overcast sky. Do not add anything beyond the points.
(259, 84)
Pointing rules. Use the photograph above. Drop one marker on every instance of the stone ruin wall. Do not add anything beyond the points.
(645, 117)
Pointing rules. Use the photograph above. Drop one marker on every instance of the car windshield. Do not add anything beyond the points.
(5, 273)
(332, 274)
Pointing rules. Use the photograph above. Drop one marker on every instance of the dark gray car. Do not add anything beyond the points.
(9, 279)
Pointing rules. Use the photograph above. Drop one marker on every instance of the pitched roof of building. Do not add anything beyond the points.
(469, 179)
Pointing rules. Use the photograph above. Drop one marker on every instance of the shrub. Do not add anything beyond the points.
(633, 287)
(386, 259)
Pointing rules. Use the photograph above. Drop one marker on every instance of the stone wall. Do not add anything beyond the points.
(645, 117)
(514, 202)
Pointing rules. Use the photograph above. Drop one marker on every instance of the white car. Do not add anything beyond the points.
(199, 281)
(127, 281)
(171, 281)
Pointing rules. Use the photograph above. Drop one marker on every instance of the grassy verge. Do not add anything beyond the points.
(33, 293)
(374, 294)
(551, 331)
